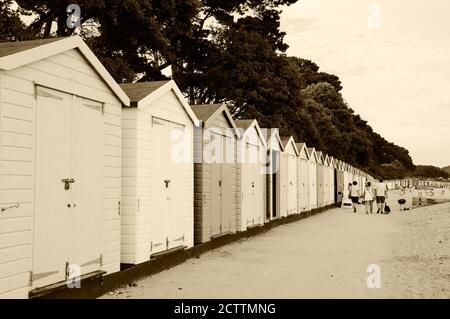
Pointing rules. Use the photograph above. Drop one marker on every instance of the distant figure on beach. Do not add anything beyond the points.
(368, 197)
(402, 203)
(354, 194)
(381, 195)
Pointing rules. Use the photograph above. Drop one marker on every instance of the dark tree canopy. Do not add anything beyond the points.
(220, 51)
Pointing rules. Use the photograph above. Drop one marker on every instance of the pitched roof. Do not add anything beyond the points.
(274, 133)
(16, 54)
(310, 150)
(142, 94)
(138, 91)
(205, 111)
(285, 140)
(244, 124)
(12, 47)
(300, 145)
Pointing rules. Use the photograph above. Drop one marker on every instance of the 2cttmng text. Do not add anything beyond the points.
(230, 309)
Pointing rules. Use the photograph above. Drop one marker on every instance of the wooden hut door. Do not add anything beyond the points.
(162, 166)
(51, 227)
(216, 183)
(283, 184)
(292, 173)
(69, 187)
(176, 189)
(228, 181)
(87, 192)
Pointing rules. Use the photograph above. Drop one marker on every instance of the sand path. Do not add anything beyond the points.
(324, 256)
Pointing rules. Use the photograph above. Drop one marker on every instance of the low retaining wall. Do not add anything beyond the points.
(97, 286)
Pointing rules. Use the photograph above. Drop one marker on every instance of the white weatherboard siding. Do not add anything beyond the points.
(291, 179)
(312, 184)
(252, 154)
(146, 152)
(68, 72)
(303, 185)
(326, 184)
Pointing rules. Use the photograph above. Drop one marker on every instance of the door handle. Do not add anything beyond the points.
(167, 181)
(67, 182)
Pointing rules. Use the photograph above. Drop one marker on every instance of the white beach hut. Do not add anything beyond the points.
(340, 183)
(320, 180)
(331, 180)
(290, 156)
(348, 179)
(312, 189)
(303, 178)
(60, 128)
(327, 182)
(252, 150)
(157, 171)
(275, 179)
(217, 194)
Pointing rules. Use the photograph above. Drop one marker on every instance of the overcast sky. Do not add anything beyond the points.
(393, 58)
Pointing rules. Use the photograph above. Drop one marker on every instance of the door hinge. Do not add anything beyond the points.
(67, 270)
(151, 246)
(167, 242)
(118, 206)
(180, 238)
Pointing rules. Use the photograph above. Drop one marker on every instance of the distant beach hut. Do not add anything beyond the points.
(320, 180)
(290, 157)
(216, 173)
(313, 162)
(157, 171)
(275, 180)
(252, 157)
(303, 178)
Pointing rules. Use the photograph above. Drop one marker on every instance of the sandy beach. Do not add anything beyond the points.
(324, 256)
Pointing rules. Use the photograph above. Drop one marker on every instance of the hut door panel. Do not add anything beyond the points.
(216, 183)
(292, 184)
(87, 191)
(51, 227)
(228, 180)
(283, 185)
(216, 197)
(255, 188)
(162, 164)
(177, 193)
(275, 184)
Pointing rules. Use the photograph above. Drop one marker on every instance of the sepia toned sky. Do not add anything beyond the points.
(393, 58)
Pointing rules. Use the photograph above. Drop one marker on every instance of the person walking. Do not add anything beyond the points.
(381, 195)
(355, 194)
(368, 197)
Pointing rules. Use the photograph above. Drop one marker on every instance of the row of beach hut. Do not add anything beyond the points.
(94, 175)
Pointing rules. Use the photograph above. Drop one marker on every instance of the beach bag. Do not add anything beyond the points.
(387, 209)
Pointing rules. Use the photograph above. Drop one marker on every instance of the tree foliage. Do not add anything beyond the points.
(221, 52)
(430, 171)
